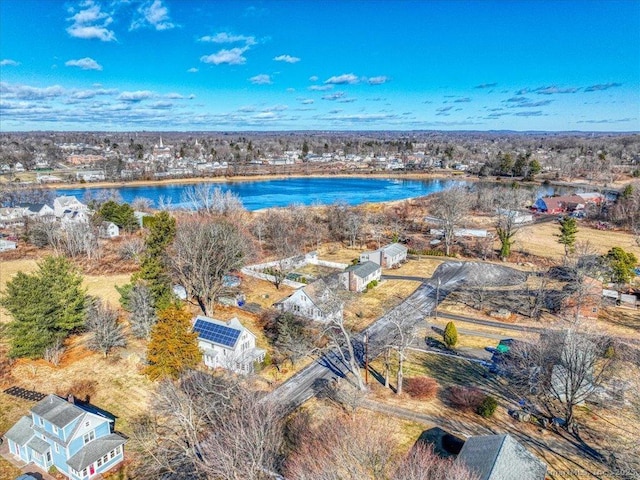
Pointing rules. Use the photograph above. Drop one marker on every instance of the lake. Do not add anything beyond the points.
(259, 194)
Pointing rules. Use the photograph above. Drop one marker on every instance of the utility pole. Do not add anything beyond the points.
(366, 358)
(437, 299)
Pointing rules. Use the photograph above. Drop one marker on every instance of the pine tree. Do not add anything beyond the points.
(450, 335)
(46, 306)
(153, 269)
(173, 347)
(567, 236)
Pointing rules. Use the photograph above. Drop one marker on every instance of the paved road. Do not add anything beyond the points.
(419, 305)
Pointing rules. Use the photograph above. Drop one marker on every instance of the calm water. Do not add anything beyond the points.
(280, 193)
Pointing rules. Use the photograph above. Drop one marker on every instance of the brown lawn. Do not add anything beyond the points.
(540, 239)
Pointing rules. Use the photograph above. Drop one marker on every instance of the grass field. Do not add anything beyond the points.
(541, 240)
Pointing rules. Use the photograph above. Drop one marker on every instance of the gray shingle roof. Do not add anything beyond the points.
(394, 249)
(21, 432)
(500, 457)
(57, 410)
(322, 297)
(365, 269)
(39, 445)
(93, 450)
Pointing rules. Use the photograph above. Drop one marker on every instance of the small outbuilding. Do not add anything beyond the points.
(108, 230)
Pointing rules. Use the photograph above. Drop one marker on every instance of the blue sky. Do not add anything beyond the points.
(320, 65)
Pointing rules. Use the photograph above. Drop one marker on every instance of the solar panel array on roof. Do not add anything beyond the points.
(216, 333)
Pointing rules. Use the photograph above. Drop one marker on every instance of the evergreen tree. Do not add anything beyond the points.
(46, 306)
(173, 347)
(567, 236)
(119, 213)
(153, 268)
(450, 335)
(622, 265)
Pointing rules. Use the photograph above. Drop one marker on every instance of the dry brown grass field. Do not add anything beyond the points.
(541, 240)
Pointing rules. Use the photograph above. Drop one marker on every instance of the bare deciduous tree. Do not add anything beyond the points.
(561, 370)
(204, 251)
(106, 333)
(341, 341)
(507, 203)
(208, 426)
(422, 463)
(142, 316)
(404, 334)
(78, 238)
(209, 199)
(451, 208)
(342, 448)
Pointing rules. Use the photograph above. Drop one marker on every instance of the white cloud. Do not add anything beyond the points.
(136, 96)
(287, 59)
(262, 79)
(378, 80)
(307, 101)
(232, 56)
(320, 88)
(86, 63)
(345, 78)
(85, 94)
(333, 96)
(27, 92)
(193, 70)
(153, 14)
(313, 78)
(91, 22)
(224, 37)
(7, 62)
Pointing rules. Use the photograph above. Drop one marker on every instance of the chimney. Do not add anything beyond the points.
(70, 398)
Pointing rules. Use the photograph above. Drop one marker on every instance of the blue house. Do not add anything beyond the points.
(74, 437)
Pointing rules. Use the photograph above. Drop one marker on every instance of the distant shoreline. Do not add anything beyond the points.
(250, 178)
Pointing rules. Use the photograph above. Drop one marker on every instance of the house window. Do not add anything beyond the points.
(55, 445)
(105, 459)
(84, 472)
(40, 421)
(112, 453)
(89, 436)
(55, 429)
(118, 449)
(49, 456)
(86, 424)
(99, 462)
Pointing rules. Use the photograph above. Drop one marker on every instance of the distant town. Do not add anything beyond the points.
(56, 157)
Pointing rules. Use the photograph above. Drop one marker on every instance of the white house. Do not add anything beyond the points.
(227, 345)
(67, 204)
(517, 217)
(388, 256)
(37, 210)
(356, 277)
(72, 217)
(108, 230)
(7, 245)
(314, 301)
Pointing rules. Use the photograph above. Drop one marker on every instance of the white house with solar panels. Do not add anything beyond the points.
(227, 345)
